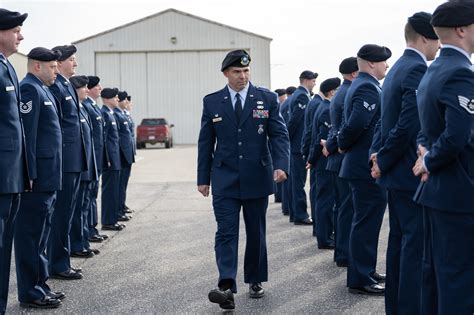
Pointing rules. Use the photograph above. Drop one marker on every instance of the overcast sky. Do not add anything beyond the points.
(314, 35)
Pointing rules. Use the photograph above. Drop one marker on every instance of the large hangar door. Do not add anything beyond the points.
(177, 82)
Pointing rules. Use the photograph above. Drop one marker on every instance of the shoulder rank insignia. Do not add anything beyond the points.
(369, 107)
(25, 108)
(467, 104)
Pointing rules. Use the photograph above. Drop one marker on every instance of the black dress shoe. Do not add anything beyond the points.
(104, 236)
(128, 210)
(96, 239)
(373, 289)
(67, 275)
(56, 295)
(307, 221)
(341, 263)
(326, 246)
(94, 250)
(225, 298)
(45, 302)
(112, 227)
(379, 277)
(83, 254)
(124, 218)
(76, 269)
(256, 290)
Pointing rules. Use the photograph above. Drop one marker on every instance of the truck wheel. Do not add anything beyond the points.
(168, 144)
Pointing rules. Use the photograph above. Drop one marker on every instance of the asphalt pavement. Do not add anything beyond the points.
(163, 261)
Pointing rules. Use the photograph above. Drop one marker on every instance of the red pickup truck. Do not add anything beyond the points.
(154, 130)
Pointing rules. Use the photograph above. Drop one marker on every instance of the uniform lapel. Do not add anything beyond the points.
(249, 104)
(227, 105)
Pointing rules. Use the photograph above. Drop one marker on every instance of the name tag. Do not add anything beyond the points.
(114, 123)
(125, 123)
(10, 88)
(83, 120)
(98, 118)
(260, 113)
(80, 105)
(214, 120)
(68, 98)
(48, 103)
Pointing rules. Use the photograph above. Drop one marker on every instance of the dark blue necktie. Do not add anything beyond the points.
(238, 107)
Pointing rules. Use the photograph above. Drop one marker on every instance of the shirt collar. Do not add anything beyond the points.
(242, 93)
(67, 80)
(419, 53)
(462, 51)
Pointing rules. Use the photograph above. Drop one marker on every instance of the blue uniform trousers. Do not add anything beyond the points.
(298, 180)
(278, 192)
(325, 195)
(124, 177)
(404, 254)
(110, 197)
(286, 202)
(33, 225)
(59, 247)
(448, 272)
(343, 223)
(312, 196)
(9, 204)
(92, 206)
(369, 200)
(227, 213)
(80, 219)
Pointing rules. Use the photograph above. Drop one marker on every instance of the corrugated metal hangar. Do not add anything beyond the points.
(168, 62)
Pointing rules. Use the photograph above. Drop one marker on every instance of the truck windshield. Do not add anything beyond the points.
(154, 122)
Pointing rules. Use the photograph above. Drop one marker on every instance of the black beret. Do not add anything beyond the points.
(43, 54)
(79, 81)
(454, 14)
(310, 75)
(420, 22)
(236, 58)
(280, 92)
(329, 84)
(374, 53)
(109, 92)
(122, 96)
(129, 98)
(290, 90)
(66, 51)
(348, 65)
(93, 81)
(10, 19)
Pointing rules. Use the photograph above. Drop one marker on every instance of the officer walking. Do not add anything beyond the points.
(74, 162)
(361, 113)
(14, 178)
(393, 166)
(95, 115)
(127, 156)
(325, 190)
(237, 124)
(79, 234)
(112, 163)
(44, 154)
(343, 200)
(298, 103)
(446, 146)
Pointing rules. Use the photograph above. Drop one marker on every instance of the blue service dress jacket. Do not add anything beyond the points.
(297, 107)
(308, 124)
(400, 123)
(234, 156)
(125, 135)
(320, 130)
(336, 114)
(43, 134)
(13, 168)
(446, 108)
(97, 122)
(74, 151)
(91, 173)
(361, 113)
(111, 137)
